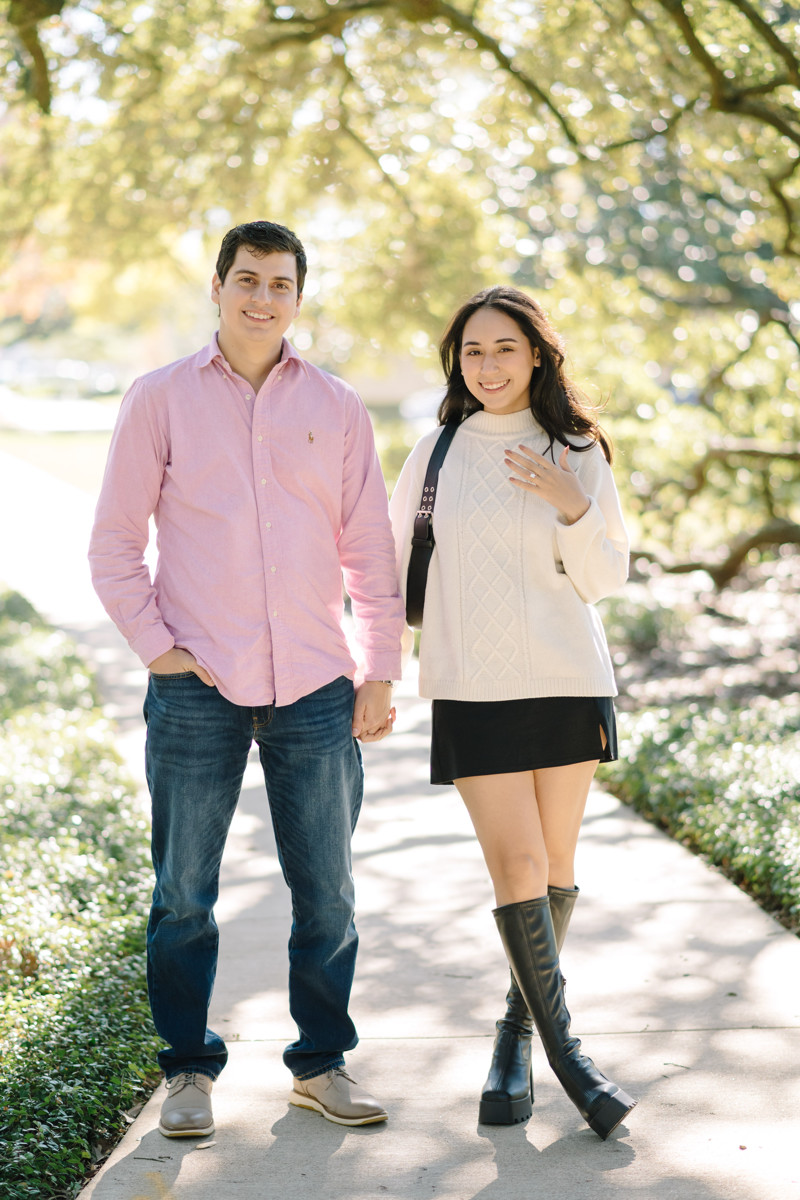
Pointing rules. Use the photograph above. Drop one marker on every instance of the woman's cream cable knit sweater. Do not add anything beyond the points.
(508, 604)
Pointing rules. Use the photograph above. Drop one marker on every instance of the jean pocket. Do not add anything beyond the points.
(174, 675)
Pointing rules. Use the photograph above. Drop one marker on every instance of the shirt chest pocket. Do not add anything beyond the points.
(305, 461)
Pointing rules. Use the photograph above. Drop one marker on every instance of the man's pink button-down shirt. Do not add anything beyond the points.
(263, 503)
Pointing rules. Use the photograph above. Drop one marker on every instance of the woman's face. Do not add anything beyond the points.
(497, 361)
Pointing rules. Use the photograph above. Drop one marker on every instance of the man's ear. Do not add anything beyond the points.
(299, 302)
(216, 284)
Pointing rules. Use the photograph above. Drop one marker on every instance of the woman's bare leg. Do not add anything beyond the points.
(527, 823)
(561, 794)
(505, 815)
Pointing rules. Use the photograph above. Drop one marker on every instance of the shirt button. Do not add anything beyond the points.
(248, 396)
(273, 569)
(263, 481)
(275, 612)
(260, 438)
(269, 526)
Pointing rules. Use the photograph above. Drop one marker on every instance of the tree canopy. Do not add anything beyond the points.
(635, 160)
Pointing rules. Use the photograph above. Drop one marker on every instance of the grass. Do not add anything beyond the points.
(76, 1041)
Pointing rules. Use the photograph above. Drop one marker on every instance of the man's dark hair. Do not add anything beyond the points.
(261, 237)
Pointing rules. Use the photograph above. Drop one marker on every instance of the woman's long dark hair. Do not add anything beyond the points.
(555, 401)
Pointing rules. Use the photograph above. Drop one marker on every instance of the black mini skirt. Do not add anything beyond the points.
(495, 737)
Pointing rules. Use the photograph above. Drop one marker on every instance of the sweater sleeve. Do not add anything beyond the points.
(594, 550)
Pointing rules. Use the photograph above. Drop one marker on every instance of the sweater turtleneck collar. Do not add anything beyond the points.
(502, 423)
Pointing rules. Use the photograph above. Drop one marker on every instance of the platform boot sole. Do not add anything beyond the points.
(506, 1111)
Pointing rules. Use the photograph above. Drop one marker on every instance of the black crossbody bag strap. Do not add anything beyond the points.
(422, 541)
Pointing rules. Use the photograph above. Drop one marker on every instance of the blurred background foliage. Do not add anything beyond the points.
(634, 163)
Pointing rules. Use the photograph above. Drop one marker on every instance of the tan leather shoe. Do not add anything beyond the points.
(338, 1098)
(186, 1112)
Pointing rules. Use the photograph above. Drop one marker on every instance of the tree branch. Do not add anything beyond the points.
(723, 451)
(763, 89)
(374, 158)
(649, 134)
(310, 29)
(739, 102)
(725, 98)
(775, 533)
(770, 37)
(783, 317)
(654, 30)
(459, 21)
(332, 23)
(716, 377)
(762, 299)
(699, 53)
(25, 16)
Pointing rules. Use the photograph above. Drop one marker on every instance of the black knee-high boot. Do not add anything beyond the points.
(528, 936)
(507, 1094)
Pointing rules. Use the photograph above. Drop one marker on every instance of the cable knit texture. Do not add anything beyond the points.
(508, 604)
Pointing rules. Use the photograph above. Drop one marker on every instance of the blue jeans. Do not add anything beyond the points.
(197, 748)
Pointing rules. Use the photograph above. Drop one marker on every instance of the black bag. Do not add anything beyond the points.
(422, 541)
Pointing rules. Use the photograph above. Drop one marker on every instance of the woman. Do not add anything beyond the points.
(529, 535)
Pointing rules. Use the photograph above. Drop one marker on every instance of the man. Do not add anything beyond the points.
(262, 475)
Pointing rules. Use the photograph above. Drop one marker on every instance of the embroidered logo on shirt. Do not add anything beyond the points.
(310, 436)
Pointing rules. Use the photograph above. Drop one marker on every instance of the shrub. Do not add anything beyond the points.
(639, 625)
(76, 1041)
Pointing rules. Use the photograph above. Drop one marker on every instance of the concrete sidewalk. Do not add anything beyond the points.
(682, 989)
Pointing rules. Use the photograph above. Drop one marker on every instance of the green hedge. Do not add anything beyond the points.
(725, 782)
(76, 1041)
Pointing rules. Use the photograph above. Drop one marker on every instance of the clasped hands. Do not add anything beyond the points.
(556, 483)
(373, 711)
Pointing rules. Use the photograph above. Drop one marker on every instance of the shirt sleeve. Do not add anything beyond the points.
(366, 552)
(131, 487)
(595, 548)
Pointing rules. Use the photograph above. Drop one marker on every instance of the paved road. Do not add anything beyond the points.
(682, 988)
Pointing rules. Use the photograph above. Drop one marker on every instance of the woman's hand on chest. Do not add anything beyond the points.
(556, 483)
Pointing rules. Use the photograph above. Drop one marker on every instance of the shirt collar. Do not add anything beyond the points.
(212, 353)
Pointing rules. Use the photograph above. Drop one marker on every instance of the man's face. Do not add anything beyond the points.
(258, 300)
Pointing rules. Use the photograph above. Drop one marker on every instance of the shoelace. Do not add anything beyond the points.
(178, 1082)
(341, 1071)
